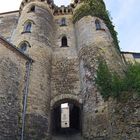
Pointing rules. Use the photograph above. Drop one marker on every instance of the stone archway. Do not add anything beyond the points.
(73, 124)
(64, 97)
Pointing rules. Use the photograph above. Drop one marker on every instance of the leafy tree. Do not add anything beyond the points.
(112, 85)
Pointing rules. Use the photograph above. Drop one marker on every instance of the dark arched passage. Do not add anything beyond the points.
(72, 114)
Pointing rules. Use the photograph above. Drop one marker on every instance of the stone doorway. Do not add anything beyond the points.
(66, 118)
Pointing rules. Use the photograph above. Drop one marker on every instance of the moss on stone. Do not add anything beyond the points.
(96, 8)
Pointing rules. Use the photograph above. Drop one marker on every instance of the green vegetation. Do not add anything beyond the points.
(96, 8)
(112, 85)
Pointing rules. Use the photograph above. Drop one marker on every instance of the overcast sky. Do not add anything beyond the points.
(125, 14)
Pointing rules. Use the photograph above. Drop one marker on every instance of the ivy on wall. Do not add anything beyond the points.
(96, 8)
(112, 85)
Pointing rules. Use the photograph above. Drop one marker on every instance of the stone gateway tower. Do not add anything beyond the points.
(48, 61)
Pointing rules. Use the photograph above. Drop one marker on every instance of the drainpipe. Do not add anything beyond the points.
(25, 96)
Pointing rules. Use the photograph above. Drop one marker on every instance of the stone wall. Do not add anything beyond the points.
(12, 72)
(65, 80)
(95, 110)
(8, 23)
(124, 118)
(131, 57)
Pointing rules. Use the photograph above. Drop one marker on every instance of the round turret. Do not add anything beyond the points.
(34, 37)
(94, 29)
(94, 43)
(48, 3)
(35, 24)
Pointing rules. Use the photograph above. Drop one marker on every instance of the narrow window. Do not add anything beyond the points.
(63, 22)
(23, 46)
(27, 27)
(76, 1)
(98, 24)
(64, 42)
(49, 1)
(32, 9)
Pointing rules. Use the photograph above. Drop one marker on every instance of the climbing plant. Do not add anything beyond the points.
(113, 85)
(96, 8)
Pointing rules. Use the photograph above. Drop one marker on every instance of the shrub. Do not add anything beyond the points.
(112, 85)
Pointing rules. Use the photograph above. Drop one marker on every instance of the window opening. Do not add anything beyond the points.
(27, 27)
(23, 47)
(63, 22)
(64, 42)
(98, 24)
(32, 9)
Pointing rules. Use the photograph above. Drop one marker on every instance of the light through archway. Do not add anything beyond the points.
(66, 118)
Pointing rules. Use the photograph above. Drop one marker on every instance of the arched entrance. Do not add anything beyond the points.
(66, 117)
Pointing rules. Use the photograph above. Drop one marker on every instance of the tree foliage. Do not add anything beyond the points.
(112, 85)
(96, 8)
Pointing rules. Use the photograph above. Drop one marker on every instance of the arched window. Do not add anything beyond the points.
(23, 46)
(97, 24)
(63, 22)
(64, 42)
(27, 27)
